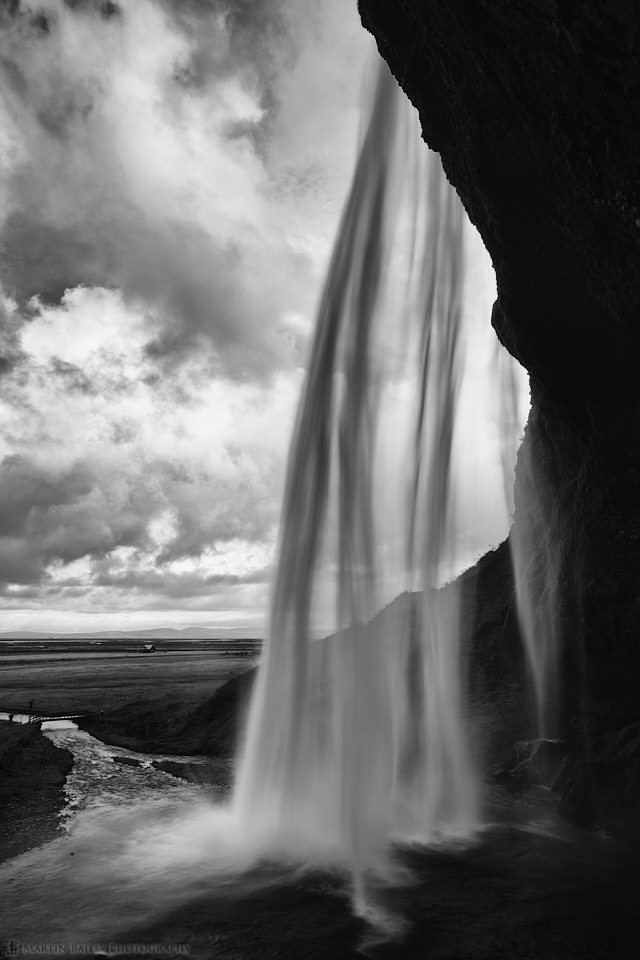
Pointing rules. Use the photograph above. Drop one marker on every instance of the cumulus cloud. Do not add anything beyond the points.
(148, 150)
(165, 487)
(171, 177)
(60, 515)
(171, 173)
(103, 139)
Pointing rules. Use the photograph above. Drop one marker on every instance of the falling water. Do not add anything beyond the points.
(536, 557)
(362, 738)
(535, 544)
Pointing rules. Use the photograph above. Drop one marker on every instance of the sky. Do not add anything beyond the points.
(171, 177)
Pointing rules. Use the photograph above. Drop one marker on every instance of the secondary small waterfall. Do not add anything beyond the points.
(536, 556)
(536, 552)
(362, 738)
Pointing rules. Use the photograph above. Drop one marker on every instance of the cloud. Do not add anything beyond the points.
(171, 178)
(10, 324)
(119, 487)
(149, 150)
(171, 172)
(48, 516)
(119, 175)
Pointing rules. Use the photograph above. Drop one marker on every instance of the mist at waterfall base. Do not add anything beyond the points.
(361, 743)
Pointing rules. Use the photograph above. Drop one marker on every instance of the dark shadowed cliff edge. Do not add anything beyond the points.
(534, 107)
(32, 776)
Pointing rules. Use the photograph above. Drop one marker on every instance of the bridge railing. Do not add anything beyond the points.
(41, 716)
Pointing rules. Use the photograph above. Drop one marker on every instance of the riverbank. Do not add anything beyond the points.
(32, 777)
(210, 728)
(152, 703)
(33, 770)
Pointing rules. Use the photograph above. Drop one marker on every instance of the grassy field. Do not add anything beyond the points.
(77, 681)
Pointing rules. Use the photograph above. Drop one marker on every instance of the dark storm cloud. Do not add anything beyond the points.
(75, 380)
(104, 8)
(11, 352)
(260, 44)
(48, 516)
(208, 510)
(201, 288)
(176, 586)
(40, 20)
(258, 32)
(197, 286)
(26, 490)
(43, 259)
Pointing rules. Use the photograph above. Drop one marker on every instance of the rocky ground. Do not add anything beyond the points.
(33, 770)
(543, 892)
(32, 776)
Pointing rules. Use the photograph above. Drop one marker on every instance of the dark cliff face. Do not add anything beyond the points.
(534, 107)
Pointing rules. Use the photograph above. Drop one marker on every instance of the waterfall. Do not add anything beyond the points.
(535, 543)
(362, 738)
(537, 566)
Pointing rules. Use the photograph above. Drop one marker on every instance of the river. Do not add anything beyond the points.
(149, 859)
(133, 837)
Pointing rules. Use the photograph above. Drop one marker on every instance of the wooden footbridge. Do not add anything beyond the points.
(31, 715)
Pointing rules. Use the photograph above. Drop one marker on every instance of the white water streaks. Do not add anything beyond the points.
(364, 738)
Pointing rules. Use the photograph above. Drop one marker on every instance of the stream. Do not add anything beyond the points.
(148, 859)
(134, 838)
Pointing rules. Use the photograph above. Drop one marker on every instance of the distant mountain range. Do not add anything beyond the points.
(157, 633)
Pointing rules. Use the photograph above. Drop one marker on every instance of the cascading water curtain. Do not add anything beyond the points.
(536, 545)
(361, 739)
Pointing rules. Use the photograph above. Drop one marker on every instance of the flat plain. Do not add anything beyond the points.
(78, 679)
